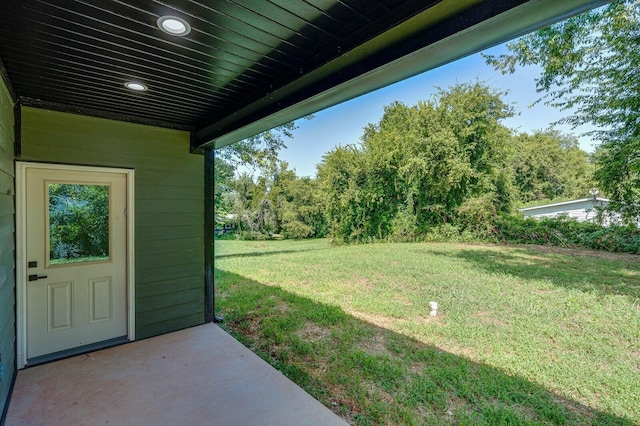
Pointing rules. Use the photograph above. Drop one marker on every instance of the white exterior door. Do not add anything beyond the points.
(76, 255)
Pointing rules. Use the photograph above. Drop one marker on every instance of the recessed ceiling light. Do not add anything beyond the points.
(136, 85)
(173, 25)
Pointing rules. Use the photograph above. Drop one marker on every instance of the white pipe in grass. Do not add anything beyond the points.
(434, 308)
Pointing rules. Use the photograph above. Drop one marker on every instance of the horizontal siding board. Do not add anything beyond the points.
(6, 206)
(7, 244)
(169, 219)
(168, 286)
(174, 324)
(74, 156)
(7, 256)
(33, 130)
(169, 204)
(169, 312)
(162, 233)
(6, 124)
(147, 275)
(7, 305)
(152, 303)
(185, 245)
(173, 206)
(6, 220)
(6, 137)
(148, 262)
(6, 148)
(6, 165)
(168, 178)
(86, 126)
(6, 132)
(6, 184)
(6, 109)
(82, 153)
(156, 192)
(86, 150)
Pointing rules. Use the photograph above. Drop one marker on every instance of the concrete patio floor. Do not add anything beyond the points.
(200, 376)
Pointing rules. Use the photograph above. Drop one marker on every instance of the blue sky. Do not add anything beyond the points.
(343, 124)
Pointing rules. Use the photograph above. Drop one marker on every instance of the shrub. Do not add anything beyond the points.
(449, 233)
(252, 236)
(404, 227)
(477, 214)
(567, 233)
(297, 230)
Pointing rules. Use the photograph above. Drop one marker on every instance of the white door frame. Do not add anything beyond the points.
(21, 249)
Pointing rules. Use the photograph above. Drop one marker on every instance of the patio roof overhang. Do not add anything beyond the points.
(245, 66)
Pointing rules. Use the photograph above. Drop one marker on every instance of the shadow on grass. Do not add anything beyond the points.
(370, 375)
(260, 254)
(589, 273)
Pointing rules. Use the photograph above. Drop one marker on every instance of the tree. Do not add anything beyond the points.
(340, 174)
(252, 152)
(276, 202)
(419, 165)
(78, 221)
(591, 68)
(259, 148)
(549, 165)
(256, 152)
(223, 173)
(302, 211)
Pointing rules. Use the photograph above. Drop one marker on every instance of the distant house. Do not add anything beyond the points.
(225, 224)
(582, 210)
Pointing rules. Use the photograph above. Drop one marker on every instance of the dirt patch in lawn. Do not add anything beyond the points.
(379, 320)
(485, 317)
(375, 345)
(282, 306)
(467, 352)
(363, 282)
(627, 257)
(312, 332)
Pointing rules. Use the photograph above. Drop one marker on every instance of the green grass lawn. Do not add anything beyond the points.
(524, 335)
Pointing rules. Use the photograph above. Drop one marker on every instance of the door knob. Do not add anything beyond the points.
(35, 277)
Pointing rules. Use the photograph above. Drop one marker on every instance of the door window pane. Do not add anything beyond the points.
(78, 223)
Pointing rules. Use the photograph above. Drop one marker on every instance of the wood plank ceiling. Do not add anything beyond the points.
(245, 66)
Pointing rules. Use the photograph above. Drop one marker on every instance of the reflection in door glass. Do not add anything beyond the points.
(78, 223)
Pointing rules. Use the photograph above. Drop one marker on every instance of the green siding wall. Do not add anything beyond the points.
(169, 205)
(7, 245)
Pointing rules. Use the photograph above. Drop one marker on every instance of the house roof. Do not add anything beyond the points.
(246, 65)
(564, 204)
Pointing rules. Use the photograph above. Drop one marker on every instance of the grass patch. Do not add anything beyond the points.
(524, 335)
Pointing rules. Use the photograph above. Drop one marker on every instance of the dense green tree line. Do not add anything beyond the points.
(445, 161)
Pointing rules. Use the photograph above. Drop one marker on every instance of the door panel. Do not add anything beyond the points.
(59, 306)
(100, 299)
(76, 249)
